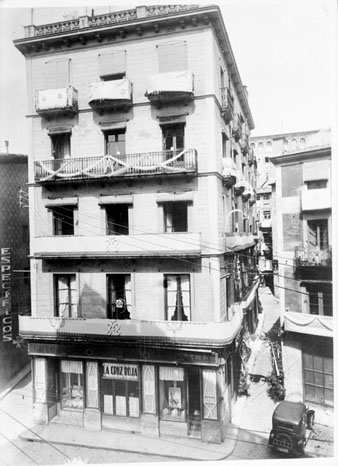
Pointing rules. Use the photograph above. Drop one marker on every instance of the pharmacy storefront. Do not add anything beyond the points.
(154, 398)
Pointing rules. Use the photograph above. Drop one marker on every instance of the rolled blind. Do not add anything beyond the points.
(172, 57)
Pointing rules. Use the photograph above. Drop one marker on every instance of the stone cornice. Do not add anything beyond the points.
(143, 21)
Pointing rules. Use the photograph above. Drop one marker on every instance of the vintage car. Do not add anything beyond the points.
(289, 423)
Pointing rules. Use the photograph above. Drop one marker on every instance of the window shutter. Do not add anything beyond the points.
(112, 63)
(172, 57)
(57, 74)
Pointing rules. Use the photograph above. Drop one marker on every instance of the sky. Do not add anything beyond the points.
(285, 52)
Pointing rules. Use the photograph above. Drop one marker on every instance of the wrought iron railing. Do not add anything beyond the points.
(148, 163)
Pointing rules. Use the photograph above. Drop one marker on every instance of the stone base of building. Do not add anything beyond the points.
(150, 425)
(92, 419)
(211, 431)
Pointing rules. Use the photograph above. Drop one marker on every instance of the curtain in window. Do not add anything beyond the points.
(172, 373)
(63, 296)
(171, 296)
(127, 289)
(74, 367)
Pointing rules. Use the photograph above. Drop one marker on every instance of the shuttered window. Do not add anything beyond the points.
(57, 74)
(172, 57)
(112, 64)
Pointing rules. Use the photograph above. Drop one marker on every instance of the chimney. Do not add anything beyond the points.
(7, 144)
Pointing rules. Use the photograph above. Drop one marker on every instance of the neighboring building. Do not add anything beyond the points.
(265, 148)
(143, 225)
(14, 250)
(302, 239)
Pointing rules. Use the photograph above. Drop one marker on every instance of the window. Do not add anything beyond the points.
(266, 214)
(25, 234)
(120, 391)
(56, 74)
(172, 57)
(175, 217)
(177, 297)
(115, 142)
(294, 144)
(224, 144)
(318, 233)
(119, 296)
(320, 298)
(60, 145)
(318, 373)
(63, 220)
(112, 65)
(316, 184)
(117, 219)
(302, 143)
(268, 146)
(260, 146)
(266, 196)
(65, 295)
(173, 137)
(71, 385)
(266, 159)
(172, 393)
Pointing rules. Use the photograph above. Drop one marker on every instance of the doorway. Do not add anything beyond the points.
(194, 394)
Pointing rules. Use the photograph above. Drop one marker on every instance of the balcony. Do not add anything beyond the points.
(238, 241)
(52, 102)
(149, 164)
(312, 256)
(308, 324)
(315, 199)
(244, 143)
(176, 86)
(118, 246)
(110, 95)
(237, 127)
(157, 333)
(229, 172)
(227, 104)
(251, 157)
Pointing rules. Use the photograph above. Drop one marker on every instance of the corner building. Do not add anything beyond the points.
(142, 193)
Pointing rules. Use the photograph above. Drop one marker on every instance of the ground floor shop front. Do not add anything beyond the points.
(162, 392)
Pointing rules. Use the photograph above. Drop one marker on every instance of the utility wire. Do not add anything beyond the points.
(16, 446)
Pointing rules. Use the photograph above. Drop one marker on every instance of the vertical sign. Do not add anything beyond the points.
(6, 294)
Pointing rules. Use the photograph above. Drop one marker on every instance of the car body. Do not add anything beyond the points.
(290, 420)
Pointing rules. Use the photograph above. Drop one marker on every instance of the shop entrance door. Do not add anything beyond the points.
(194, 408)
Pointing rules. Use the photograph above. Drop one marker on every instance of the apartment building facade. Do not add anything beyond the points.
(14, 251)
(302, 238)
(142, 193)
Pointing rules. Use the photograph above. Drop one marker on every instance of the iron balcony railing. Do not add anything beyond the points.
(313, 256)
(148, 163)
(227, 103)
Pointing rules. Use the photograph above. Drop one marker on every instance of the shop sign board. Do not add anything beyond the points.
(6, 294)
(113, 370)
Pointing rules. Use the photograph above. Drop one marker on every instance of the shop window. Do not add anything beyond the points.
(60, 145)
(318, 233)
(117, 219)
(63, 220)
(112, 65)
(65, 295)
(172, 57)
(119, 296)
(175, 217)
(120, 391)
(177, 297)
(115, 142)
(71, 385)
(172, 393)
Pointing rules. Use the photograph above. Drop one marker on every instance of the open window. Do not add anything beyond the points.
(63, 220)
(119, 296)
(60, 145)
(175, 217)
(173, 137)
(177, 297)
(65, 295)
(117, 219)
